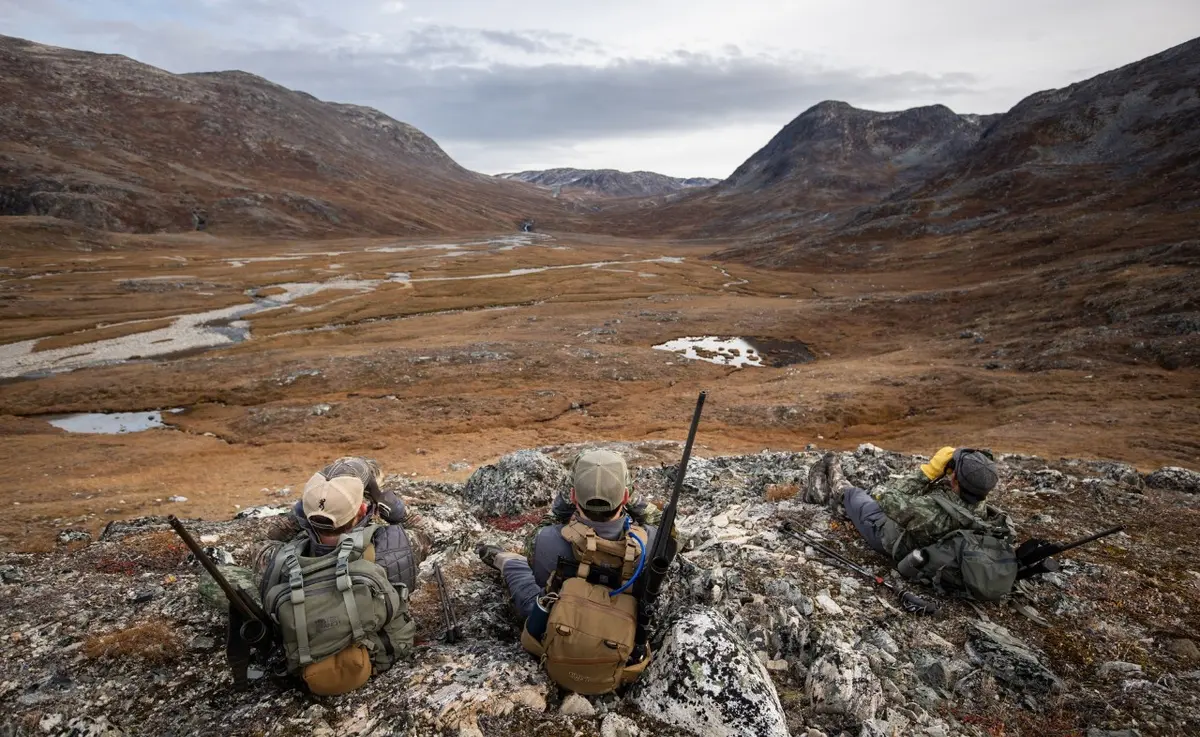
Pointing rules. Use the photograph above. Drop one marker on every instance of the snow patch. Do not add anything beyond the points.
(722, 351)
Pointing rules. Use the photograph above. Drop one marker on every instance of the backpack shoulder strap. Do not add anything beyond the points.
(350, 545)
(589, 547)
(634, 551)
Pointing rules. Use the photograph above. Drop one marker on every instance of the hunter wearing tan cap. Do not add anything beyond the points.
(601, 487)
(345, 496)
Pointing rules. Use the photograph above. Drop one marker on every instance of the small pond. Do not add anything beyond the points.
(111, 423)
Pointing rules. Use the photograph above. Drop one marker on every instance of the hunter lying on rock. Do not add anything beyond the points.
(934, 522)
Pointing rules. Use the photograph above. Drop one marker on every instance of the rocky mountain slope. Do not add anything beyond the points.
(1122, 142)
(760, 635)
(117, 145)
(609, 182)
(836, 153)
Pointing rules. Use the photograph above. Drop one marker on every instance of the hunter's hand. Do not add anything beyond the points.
(936, 468)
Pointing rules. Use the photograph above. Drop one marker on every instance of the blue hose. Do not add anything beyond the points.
(641, 563)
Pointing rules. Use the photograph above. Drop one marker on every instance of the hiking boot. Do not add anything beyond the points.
(816, 491)
(837, 484)
(837, 480)
(487, 554)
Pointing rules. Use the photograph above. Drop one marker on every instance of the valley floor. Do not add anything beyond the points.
(437, 357)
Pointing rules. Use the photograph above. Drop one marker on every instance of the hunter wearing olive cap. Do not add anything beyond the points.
(946, 494)
(600, 492)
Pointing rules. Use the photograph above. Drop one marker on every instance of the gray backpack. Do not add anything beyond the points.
(978, 561)
(972, 564)
(340, 616)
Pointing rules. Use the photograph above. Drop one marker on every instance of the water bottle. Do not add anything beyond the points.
(536, 623)
(912, 563)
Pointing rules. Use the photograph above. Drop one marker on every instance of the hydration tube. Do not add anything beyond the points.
(641, 563)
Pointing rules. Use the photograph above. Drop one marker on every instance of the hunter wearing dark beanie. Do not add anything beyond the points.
(912, 511)
(972, 474)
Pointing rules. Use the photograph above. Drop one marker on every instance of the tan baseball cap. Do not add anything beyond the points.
(600, 478)
(337, 499)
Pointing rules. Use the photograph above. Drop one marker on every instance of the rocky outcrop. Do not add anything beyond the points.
(1174, 478)
(704, 679)
(753, 635)
(514, 484)
(1009, 659)
(842, 684)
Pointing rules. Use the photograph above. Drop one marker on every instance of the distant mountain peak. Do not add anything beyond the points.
(608, 182)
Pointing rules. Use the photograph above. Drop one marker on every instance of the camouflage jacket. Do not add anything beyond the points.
(926, 511)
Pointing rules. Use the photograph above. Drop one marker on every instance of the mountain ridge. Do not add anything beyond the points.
(118, 145)
(608, 182)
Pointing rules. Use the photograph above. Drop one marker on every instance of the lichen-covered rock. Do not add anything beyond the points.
(1012, 661)
(841, 682)
(706, 680)
(515, 483)
(1174, 478)
(615, 725)
(73, 536)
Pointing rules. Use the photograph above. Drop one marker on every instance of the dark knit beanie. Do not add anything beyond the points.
(976, 474)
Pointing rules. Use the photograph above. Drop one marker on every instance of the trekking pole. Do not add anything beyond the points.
(452, 633)
(910, 601)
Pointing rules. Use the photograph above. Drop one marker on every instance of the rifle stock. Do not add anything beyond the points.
(249, 625)
(1033, 555)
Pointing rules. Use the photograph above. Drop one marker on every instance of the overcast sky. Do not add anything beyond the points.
(684, 87)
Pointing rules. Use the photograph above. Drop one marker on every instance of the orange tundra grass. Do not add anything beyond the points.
(779, 492)
(152, 642)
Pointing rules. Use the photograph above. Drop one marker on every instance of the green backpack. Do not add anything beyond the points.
(340, 616)
(978, 561)
(983, 567)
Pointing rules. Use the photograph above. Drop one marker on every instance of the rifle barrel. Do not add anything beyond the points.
(246, 605)
(661, 553)
(1091, 538)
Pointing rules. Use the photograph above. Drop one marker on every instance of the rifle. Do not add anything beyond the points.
(1033, 555)
(908, 600)
(662, 553)
(452, 634)
(249, 625)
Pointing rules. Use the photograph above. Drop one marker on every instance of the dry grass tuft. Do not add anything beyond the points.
(157, 551)
(779, 492)
(151, 551)
(152, 642)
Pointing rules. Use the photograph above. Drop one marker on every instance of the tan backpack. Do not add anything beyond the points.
(591, 634)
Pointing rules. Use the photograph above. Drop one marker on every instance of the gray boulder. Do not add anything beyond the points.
(1014, 662)
(1174, 478)
(841, 682)
(706, 680)
(517, 482)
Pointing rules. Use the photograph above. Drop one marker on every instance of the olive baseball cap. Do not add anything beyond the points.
(600, 478)
(332, 503)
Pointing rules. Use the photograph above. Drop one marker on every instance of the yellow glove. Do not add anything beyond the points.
(937, 465)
